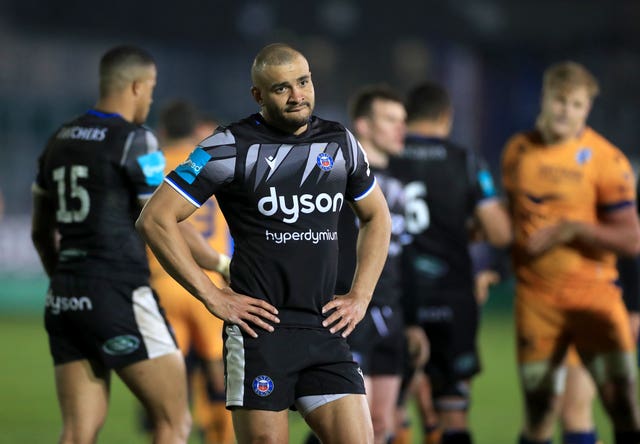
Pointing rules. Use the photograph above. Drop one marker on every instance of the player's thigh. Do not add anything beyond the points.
(159, 383)
(83, 393)
(264, 426)
(207, 332)
(383, 393)
(344, 420)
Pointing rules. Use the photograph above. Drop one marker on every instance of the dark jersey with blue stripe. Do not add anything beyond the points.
(281, 195)
(443, 185)
(388, 290)
(96, 168)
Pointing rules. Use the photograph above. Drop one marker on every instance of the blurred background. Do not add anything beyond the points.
(490, 54)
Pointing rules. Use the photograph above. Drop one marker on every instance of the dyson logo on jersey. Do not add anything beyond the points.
(305, 203)
(58, 304)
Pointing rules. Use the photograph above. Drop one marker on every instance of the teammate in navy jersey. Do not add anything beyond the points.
(445, 186)
(281, 177)
(101, 313)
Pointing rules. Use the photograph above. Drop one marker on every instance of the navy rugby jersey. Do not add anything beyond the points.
(443, 185)
(281, 195)
(389, 287)
(96, 168)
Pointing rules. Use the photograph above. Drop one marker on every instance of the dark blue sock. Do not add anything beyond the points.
(456, 437)
(628, 437)
(524, 440)
(580, 437)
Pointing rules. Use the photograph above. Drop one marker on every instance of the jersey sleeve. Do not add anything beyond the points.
(143, 162)
(208, 169)
(615, 184)
(360, 181)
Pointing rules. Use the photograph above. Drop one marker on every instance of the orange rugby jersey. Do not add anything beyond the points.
(574, 180)
(207, 219)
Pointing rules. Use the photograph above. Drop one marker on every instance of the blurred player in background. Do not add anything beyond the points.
(572, 200)
(196, 329)
(445, 186)
(93, 177)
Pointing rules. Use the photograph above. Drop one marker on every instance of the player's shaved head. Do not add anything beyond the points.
(274, 54)
(122, 65)
(427, 101)
(569, 75)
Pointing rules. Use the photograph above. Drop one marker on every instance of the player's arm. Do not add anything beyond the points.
(617, 231)
(205, 256)
(371, 253)
(43, 229)
(495, 222)
(159, 225)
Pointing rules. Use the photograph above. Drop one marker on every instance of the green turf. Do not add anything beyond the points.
(29, 412)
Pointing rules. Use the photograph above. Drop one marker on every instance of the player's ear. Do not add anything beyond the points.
(361, 127)
(257, 95)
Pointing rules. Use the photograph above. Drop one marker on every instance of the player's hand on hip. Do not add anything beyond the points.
(348, 310)
(243, 311)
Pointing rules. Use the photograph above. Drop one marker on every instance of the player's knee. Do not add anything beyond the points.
(452, 397)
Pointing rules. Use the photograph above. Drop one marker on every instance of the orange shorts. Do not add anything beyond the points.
(546, 326)
(193, 325)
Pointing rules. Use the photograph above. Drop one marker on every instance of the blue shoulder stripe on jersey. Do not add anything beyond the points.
(97, 113)
(614, 206)
(190, 168)
(366, 193)
(182, 192)
(486, 183)
(152, 165)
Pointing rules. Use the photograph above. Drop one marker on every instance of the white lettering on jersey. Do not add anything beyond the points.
(305, 203)
(59, 304)
(82, 133)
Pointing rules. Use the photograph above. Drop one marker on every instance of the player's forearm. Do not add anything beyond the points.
(165, 239)
(623, 240)
(371, 251)
(205, 256)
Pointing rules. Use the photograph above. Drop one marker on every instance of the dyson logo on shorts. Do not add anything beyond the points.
(305, 203)
(58, 304)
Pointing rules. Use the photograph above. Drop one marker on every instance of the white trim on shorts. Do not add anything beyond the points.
(307, 404)
(151, 324)
(235, 364)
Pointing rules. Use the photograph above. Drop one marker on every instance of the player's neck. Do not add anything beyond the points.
(375, 157)
(116, 105)
(427, 128)
(550, 137)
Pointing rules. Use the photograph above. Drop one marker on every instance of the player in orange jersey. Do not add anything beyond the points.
(572, 200)
(195, 328)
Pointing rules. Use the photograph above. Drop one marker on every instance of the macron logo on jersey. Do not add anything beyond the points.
(152, 166)
(190, 168)
(305, 203)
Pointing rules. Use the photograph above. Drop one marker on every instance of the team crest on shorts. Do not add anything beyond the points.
(262, 385)
(324, 161)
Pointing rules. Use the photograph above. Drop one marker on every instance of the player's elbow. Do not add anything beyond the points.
(631, 248)
(144, 224)
(500, 238)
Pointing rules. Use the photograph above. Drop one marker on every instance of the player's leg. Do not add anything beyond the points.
(208, 392)
(610, 360)
(577, 403)
(160, 384)
(261, 426)
(541, 347)
(83, 395)
(384, 394)
(343, 420)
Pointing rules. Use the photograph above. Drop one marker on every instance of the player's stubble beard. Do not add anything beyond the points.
(290, 123)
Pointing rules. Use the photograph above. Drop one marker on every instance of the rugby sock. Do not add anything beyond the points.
(403, 434)
(312, 439)
(432, 434)
(456, 437)
(524, 440)
(580, 437)
(628, 437)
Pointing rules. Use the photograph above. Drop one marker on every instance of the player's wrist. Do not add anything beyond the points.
(223, 265)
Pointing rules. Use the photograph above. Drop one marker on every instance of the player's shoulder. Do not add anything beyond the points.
(596, 141)
(521, 141)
